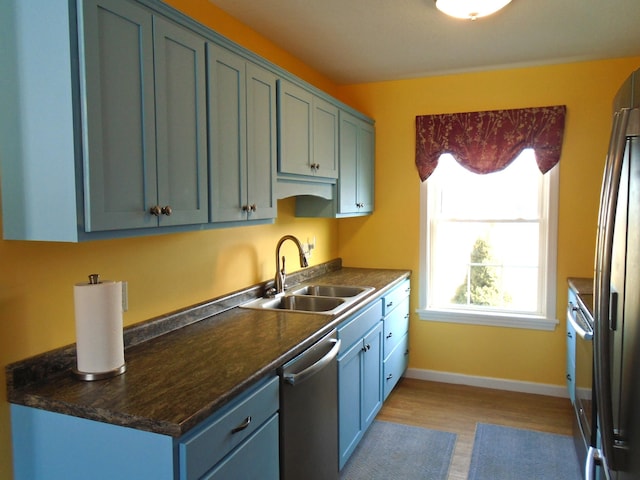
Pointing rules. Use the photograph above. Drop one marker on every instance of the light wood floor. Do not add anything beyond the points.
(457, 409)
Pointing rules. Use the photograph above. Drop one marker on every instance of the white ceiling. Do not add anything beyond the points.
(354, 41)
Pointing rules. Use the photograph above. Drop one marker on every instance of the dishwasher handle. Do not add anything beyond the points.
(296, 378)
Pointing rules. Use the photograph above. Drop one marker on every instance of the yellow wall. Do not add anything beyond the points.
(390, 238)
(164, 272)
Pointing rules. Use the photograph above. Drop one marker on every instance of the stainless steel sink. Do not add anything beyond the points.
(303, 302)
(340, 291)
(323, 299)
(298, 303)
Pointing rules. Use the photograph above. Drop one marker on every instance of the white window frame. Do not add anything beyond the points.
(547, 321)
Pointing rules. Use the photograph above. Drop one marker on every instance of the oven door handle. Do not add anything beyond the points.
(580, 330)
(595, 457)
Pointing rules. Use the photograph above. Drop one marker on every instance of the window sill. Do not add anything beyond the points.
(531, 322)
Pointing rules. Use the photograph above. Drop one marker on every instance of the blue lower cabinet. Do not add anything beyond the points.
(395, 364)
(359, 379)
(373, 357)
(571, 348)
(255, 459)
(53, 446)
(240, 441)
(234, 434)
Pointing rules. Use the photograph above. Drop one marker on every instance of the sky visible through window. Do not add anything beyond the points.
(500, 211)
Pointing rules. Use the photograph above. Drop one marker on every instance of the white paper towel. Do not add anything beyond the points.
(99, 338)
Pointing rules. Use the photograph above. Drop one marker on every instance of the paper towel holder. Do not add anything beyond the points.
(94, 280)
(90, 377)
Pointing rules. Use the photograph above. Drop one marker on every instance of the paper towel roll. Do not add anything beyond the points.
(99, 338)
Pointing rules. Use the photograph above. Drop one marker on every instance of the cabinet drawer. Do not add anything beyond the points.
(396, 325)
(392, 299)
(255, 458)
(395, 365)
(202, 449)
(353, 330)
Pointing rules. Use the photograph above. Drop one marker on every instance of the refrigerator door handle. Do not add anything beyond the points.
(613, 311)
(602, 283)
(604, 202)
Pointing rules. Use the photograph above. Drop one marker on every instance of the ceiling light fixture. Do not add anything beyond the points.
(470, 9)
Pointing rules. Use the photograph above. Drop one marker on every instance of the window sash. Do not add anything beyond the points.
(544, 317)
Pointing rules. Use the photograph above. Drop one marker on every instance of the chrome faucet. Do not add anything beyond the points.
(281, 274)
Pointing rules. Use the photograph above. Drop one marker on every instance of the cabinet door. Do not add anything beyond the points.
(372, 375)
(357, 143)
(181, 124)
(242, 106)
(325, 139)
(348, 181)
(227, 134)
(366, 165)
(349, 400)
(261, 143)
(296, 111)
(118, 115)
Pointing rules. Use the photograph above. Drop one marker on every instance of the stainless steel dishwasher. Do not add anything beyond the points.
(309, 413)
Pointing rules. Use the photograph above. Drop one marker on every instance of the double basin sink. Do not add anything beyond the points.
(324, 299)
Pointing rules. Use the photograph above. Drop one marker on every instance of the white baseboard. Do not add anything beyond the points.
(488, 382)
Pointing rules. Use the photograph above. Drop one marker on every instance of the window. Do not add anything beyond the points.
(488, 245)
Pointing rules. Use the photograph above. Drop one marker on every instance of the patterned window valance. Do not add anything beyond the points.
(486, 142)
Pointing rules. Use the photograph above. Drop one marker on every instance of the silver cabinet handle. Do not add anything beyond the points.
(242, 426)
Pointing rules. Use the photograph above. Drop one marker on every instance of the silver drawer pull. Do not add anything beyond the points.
(242, 426)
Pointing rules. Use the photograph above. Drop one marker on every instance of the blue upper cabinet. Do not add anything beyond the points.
(37, 121)
(118, 115)
(144, 119)
(243, 140)
(113, 124)
(181, 124)
(105, 130)
(308, 127)
(325, 138)
(357, 145)
(355, 188)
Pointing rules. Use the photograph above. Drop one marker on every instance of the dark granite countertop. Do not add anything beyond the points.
(184, 366)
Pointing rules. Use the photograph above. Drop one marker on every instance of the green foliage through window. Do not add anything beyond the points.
(481, 284)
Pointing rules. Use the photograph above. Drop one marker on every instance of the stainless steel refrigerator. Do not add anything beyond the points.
(617, 298)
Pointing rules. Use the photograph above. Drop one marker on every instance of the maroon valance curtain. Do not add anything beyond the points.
(486, 142)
